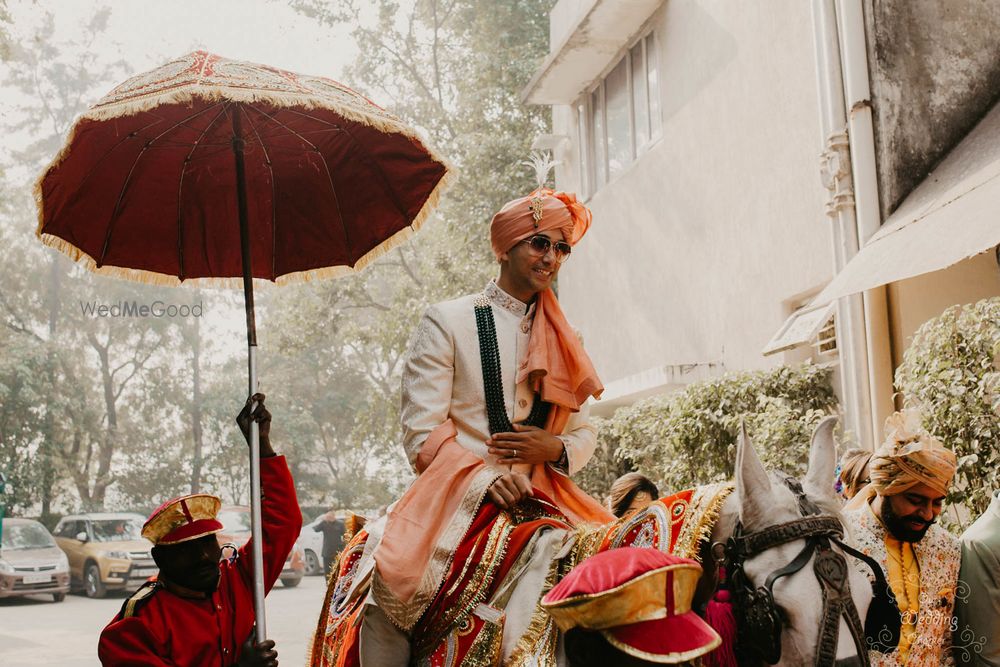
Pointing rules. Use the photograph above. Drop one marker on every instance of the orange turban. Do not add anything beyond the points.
(910, 456)
(559, 210)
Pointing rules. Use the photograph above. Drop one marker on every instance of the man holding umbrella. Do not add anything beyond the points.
(212, 170)
(200, 611)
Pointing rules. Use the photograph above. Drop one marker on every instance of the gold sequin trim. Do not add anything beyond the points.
(700, 518)
(405, 614)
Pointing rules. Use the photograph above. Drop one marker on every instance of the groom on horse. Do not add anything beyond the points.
(493, 408)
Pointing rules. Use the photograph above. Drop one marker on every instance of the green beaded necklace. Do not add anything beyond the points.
(489, 353)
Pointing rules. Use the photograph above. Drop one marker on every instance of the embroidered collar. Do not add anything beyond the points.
(497, 296)
(875, 520)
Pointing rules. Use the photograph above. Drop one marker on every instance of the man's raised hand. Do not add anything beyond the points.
(260, 415)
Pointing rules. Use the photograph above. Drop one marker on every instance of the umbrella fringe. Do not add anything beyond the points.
(162, 279)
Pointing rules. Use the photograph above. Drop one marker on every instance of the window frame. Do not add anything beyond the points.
(588, 171)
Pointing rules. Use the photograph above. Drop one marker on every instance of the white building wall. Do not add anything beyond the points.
(701, 248)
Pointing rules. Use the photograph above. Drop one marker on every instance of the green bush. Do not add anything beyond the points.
(688, 438)
(951, 373)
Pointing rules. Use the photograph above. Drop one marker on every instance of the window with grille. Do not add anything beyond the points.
(825, 341)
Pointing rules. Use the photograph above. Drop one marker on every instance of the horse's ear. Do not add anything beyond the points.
(819, 481)
(753, 486)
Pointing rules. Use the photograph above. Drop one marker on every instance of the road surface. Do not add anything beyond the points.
(36, 631)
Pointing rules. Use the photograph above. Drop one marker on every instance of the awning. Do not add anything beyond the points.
(600, 29)
(651, 382)
(952, 215)
(801, 328)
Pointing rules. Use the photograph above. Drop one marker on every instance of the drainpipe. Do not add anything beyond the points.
(835, 170)
(854, 56)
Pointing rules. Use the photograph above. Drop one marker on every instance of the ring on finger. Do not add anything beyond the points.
(513, 453)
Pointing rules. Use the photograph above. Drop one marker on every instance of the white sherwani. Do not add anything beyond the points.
(443, 377)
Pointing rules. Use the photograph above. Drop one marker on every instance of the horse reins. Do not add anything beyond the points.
(759, 619)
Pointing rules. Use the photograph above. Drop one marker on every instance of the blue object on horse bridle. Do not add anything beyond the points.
(759, 619)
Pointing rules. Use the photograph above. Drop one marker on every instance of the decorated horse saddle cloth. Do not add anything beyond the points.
(464, 624)
(677, 524)
(466, 616)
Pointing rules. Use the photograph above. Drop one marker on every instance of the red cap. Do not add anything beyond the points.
(640, 600)
(182, 519)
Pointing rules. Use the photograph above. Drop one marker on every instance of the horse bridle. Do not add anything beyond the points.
(759, 621)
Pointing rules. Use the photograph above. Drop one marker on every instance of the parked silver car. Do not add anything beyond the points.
(30, 561)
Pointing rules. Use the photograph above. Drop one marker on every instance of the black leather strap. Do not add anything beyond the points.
(783, 533)
(797, 564)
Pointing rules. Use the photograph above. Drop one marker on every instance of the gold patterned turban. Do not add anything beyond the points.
(910, 456)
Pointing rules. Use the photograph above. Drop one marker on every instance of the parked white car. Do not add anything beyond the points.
(312, 544)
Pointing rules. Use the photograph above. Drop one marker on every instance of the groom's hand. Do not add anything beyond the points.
(526, 444)
(509, 490)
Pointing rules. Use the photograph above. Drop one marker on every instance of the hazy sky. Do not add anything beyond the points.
(265, 31)
(148, 33)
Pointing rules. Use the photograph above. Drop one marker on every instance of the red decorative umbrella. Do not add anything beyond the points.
(209, 170)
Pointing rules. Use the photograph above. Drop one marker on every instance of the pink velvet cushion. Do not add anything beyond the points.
(640, 601)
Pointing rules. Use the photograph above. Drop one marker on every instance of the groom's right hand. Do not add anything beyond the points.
(509, 490)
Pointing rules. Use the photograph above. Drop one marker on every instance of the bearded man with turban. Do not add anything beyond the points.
(893, 520)
(494, 413)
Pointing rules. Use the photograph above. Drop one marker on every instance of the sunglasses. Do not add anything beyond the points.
(540, 245)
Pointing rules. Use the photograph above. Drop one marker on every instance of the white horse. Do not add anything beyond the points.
(762, 501)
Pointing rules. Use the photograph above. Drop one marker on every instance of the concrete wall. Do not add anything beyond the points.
(935, 71)
(912, 302)
(697, 249)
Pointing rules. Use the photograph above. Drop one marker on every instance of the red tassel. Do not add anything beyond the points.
(719, 614)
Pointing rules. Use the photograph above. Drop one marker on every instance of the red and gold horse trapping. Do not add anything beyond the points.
(464, 623)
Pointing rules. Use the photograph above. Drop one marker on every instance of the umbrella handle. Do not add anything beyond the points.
(257, 552)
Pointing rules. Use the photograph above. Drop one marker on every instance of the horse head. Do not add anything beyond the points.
(797, 601)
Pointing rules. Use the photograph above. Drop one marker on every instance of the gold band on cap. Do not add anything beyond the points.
(181, 512)
(643, 598)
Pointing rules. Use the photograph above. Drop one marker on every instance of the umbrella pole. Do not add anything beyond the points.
(255, 491)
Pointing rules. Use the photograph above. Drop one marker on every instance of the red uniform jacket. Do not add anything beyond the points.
(183, 632)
